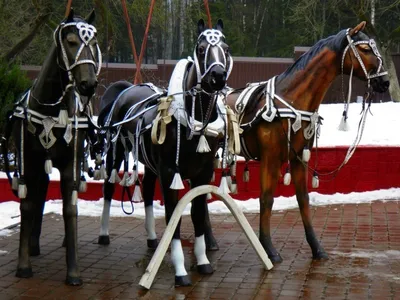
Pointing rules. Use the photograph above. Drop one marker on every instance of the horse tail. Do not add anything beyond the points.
(4, 149)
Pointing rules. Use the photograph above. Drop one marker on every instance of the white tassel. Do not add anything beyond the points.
(74, 197)
(233, 186)
(125, 181)
(14, 182)
(99, 160)
(133, 177)
(203, 146)
(209, 196)
(223, 187)
(306, 154)
(48, 166)
(63, 117)
(288, 177)
(137, 193)
(315, 181)
(103, 173)
(246, 174)
(83, 185)
(343, 126)
(233, 169)
(22, 190)
(217, 162)
(97, 174)
(213, 177)
(177, 183)
(114, 178)
(85, 165)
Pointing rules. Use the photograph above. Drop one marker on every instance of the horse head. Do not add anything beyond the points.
(78, 52)
(361, 55)
(212, 58)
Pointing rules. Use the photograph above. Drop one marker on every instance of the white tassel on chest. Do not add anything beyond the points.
(125, 181)
(246, 174)
(177, 183)
(82, 185)
(63, 117)
(306, 154)
(22, 190)
(114, 178)
(223, 187)
(14, 182)
(203, 146)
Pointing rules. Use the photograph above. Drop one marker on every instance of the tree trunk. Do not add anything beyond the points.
(21, 45)
(394, 88)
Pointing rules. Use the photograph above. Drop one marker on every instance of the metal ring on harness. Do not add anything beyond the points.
(161, 120)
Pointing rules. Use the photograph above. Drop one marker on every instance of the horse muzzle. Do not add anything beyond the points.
(380, 84)
(217, 78)
(87, 87)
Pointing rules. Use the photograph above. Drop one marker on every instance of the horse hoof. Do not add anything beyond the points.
(152, 244)
(321, 255)
(205, 269)
(73, 281)
(34, 251)
(275, 258)
(182, 281)
(24, 273)
(104, 240)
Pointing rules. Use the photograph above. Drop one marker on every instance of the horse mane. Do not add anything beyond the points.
(334, 42)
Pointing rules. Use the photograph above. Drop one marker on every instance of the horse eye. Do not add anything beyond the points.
(366, 49)
(71, 39)
(201, 50)
(227, 50)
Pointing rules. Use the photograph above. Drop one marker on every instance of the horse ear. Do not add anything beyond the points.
(359, 27)
(200, 26)
(70, 17)
(90, 18)
(220, 25)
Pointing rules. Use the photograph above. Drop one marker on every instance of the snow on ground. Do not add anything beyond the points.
(379, 131)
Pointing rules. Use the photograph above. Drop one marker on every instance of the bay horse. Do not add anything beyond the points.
(279, 118)
(50, 125)
(175, 137)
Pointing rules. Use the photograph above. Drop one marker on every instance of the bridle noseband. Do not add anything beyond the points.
(371, 42)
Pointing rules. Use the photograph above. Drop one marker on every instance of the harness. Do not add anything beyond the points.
(32, 117)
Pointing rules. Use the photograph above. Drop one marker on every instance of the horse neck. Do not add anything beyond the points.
(50, 84)
(202, 100)
(306, 88)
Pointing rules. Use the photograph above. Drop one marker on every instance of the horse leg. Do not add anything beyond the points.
(27, 207)
(41, 185)
(108, 191)
(198, 213)
(70, 215)
(177, 257)
(269, 172)
(299, 178)
(149, 182)
(211, 242)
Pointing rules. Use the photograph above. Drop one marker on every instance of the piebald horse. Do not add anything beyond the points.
(175, 135)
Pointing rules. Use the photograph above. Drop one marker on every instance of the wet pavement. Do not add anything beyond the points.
(363, 242)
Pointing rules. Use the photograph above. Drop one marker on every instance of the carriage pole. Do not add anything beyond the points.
(152, 268)
(68, 8)
(208, 13)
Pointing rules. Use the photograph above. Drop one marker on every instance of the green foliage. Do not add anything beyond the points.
(13, 82)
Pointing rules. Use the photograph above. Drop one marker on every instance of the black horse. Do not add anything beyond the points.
(175, 137)
(49, 126)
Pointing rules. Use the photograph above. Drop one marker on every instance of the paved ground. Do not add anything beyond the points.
(363, 242)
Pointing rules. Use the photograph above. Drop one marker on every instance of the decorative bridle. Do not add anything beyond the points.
(86, 33)
(352, 45)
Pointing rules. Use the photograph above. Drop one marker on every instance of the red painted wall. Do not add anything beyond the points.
(370, 168)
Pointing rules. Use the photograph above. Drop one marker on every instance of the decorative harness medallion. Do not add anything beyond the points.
(86, 32)
(213, 36)
(47, 138)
